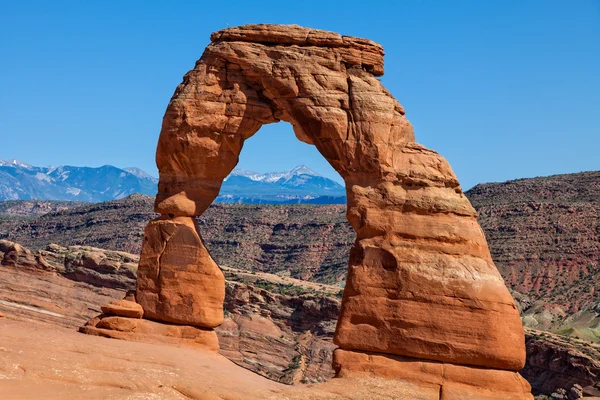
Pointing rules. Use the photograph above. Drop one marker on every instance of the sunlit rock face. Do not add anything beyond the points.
(423, 299)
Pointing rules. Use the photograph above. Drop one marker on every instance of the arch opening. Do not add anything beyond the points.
(287, 226)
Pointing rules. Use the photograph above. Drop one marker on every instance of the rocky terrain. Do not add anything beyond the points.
(547, 254)
(283, 333)
(115, 225)
(302, 241)
(557, 362)
(544, 235)
(278, 327)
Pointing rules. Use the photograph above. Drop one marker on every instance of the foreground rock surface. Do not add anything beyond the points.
(62, 364)
(143, 330)
(178, 282)
(453, 381)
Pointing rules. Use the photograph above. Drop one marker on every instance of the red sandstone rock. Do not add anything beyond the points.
(99, 267)
(143, 330)
(455, 382)
(421, 281)
(123, 308)
(177, 280)
(14, 254)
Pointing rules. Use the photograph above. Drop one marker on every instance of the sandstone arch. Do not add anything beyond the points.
(423, 299)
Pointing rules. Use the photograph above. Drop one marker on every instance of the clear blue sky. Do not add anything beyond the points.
(503, 89)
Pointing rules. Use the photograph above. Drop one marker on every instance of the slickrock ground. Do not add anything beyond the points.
(41, 352)
(42, 361)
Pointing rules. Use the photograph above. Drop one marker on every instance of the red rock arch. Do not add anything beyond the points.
(423, 299)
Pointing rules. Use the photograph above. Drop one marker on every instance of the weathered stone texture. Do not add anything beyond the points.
(178, 281)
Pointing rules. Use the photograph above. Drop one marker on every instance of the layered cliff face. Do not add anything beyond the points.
(116, 225)
(555, 362)
(304, 242)
(544, 235)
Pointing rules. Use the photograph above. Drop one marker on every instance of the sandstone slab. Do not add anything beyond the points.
(123, 308)
(453, 382)
(143, 330)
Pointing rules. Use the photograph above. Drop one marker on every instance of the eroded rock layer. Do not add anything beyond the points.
(421, 281)
(178, 281)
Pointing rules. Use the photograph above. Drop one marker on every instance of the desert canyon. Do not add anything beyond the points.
(423, 300)
(424, 314)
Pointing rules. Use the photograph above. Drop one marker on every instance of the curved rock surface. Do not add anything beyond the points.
(421, 280)
(123, 308)
(178, 281)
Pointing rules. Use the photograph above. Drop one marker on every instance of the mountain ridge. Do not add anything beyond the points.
(22, 181)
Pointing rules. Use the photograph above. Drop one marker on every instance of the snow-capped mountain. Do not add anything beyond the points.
(299, 185)
(21, 181)
(271, 177)
(140, 173)
(15, 163)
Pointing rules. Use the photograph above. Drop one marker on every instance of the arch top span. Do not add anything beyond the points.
(323, 83)
(423, 299)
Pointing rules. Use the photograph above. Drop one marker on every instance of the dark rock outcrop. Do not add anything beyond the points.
(555, 362)
(544, 235)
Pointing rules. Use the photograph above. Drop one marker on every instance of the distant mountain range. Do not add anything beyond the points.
(300, 185)
(22, 181)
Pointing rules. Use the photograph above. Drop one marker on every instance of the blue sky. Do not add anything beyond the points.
(503, 89)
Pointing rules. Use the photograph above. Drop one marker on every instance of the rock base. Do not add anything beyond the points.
(143, 330)
(454, 382)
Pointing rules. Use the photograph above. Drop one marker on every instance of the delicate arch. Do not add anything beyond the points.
(421, 282)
